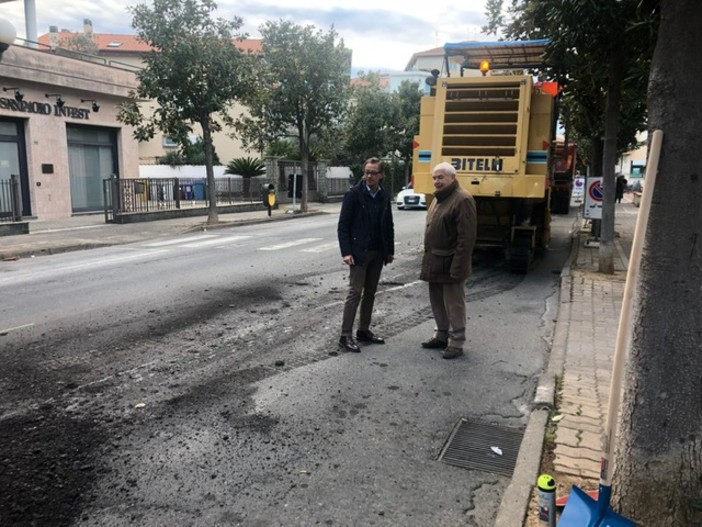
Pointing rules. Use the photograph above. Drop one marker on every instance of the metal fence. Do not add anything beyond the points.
(338, 186)
(317, 190)
(125, 196)
(10, 199)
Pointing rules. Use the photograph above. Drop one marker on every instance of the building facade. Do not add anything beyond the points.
(128, 50)
(59, 132)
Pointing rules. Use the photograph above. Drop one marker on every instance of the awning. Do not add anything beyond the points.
(520, 54)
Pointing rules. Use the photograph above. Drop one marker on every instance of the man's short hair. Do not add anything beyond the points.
(375, 161)
(445, 168)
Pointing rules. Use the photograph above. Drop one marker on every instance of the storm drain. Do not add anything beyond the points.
(483, 447)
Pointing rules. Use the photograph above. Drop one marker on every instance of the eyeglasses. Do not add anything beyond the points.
(371, 173)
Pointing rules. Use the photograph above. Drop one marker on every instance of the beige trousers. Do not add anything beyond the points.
(448, 303)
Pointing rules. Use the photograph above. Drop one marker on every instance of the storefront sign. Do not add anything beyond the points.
(43, 108)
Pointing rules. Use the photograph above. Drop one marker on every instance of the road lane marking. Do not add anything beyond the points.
(34, 275)
(5, 331)
(180, 240)
(321, 248)
(289, 244)
(215, 241)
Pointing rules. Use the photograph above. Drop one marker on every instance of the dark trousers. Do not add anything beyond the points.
(448, 303)
(363, 282)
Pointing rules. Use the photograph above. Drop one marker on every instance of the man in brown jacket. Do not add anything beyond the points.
(449, 238)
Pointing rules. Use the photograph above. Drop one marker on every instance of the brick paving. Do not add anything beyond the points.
(595, 302)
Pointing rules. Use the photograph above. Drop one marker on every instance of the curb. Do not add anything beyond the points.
(515, 502)
(57, 249)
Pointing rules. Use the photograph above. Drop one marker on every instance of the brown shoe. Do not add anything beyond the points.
(434, 344)
(347, 344)
(452, 352)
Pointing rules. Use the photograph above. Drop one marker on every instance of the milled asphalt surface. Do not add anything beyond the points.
(581, 352)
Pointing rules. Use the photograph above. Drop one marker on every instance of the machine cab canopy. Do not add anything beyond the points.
(504, 55)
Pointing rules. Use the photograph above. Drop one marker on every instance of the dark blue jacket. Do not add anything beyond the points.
(354, 228)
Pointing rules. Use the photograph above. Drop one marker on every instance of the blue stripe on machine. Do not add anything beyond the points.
(538, 157)
(424, 156)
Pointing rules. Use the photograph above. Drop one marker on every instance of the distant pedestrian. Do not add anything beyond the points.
(367, 242)
(449, 239)
(620, 188)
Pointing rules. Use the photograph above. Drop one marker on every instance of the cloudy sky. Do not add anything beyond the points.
(383, 34)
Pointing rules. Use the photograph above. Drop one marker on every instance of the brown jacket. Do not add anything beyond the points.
(449, 237)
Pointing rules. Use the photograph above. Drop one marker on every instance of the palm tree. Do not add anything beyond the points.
(246, 167)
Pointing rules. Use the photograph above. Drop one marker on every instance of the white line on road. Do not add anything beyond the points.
(215, 241)
(321, 248)
(41, 274)
(179, 240)
(5, 331)
(286, 245)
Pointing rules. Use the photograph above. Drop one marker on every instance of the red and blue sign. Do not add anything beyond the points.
(593, 199)
(595, 190)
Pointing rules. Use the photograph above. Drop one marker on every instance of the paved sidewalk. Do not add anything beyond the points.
(583, 350)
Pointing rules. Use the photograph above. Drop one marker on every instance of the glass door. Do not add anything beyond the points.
(91, 158)
(14, 161)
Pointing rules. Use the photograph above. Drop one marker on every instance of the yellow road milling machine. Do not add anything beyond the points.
(497, 131)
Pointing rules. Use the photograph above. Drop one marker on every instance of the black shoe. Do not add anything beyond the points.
(434, 344)
(367, 336)
(347, 344)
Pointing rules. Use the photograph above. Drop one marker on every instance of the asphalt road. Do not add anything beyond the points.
(195, 381)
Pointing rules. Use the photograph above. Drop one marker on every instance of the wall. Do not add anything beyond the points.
(37, 73)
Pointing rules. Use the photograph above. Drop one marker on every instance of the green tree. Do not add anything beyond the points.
(283, 148)
(659, 452)
(301, 91)
(81, 43)
(191, 153)
(600, 52)
(194, 72)
(406, 126)
(246, 167)
(367, 127)
(382, 124)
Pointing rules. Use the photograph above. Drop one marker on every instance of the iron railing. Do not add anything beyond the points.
(10, 199)
(128, 196)
(338, 186)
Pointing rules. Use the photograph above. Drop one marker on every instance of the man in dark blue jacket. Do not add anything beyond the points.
(367, 242)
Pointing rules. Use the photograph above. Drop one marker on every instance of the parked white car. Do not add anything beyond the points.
(407, 198)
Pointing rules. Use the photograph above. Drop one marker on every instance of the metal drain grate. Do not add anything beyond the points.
(471, 446)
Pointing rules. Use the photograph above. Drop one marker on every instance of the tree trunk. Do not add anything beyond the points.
(596, 157)
(658, 476)
(609, 158)
(211, 184)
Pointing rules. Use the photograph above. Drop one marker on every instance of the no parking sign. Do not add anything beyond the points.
(594, 194)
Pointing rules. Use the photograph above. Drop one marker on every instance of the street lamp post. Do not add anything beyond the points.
(8, 34)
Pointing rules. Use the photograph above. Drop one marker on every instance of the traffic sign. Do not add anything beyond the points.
(593, 198)
(595, 190)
